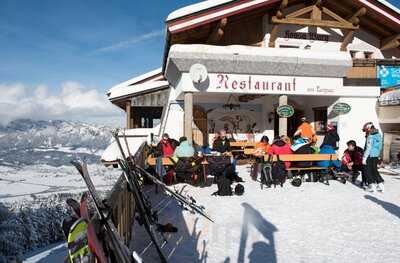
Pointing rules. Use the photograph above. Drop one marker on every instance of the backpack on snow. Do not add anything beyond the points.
(224, 186)
(278, 172)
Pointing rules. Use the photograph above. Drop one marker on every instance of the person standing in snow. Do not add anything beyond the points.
(372, 151)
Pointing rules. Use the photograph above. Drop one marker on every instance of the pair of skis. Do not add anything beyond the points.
(119, 249)
(132, 172)
(186, 202)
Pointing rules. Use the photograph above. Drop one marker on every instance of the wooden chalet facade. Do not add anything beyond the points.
(257, 55)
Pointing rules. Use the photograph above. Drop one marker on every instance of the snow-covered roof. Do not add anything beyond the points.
(137, 79)
(191, 9)
(204, 5)
(134, 137)
(255, 60)
(124, 91)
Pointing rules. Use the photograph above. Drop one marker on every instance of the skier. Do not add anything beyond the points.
(352, 161)
(306, 130)
(221, 143)
(166, 146)
(262, 147)
(280, 147)
(329, 146)
(373, 147)
(331, 137)
(184, 149)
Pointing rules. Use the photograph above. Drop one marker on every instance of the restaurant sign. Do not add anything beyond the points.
(341, 108)
(285, 111)
(308, 35)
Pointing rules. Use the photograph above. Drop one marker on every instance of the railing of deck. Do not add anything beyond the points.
(122, 201)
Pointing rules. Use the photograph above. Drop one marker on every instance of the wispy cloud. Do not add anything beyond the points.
(131, 41)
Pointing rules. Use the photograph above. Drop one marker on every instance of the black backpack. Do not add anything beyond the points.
(278, 172)
(224, 186)
(266, 177)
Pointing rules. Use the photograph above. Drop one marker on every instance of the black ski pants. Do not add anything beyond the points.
(371, 171)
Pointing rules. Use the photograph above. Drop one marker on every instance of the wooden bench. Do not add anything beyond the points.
(305, 158)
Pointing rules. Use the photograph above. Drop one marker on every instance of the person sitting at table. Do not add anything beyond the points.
(184, 149)
(306, 130)
(329, 146)
(280, 147)
(262, 146)
(221, 143)
(286, 139)
(302, 146)
(186, 167)
(166, 147)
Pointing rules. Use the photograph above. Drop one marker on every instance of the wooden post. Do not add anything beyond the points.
(188, 105)
(387, 141)
(128, 114)
(283, 100)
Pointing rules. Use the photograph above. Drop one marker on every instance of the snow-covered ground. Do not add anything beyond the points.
(30, 182)
(313, 223)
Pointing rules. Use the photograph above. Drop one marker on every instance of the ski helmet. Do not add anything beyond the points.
(239, 189)
(367, 126)
(296, 182)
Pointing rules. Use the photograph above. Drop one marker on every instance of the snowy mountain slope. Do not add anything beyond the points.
(55, 143)
(36, 177)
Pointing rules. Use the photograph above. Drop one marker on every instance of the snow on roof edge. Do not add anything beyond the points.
(194, 8)
(136, 79)
(133, 89)
(389, 5)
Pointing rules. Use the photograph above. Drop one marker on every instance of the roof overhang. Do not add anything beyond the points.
(256, 61)
(126, 92)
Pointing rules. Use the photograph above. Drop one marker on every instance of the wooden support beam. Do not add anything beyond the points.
(316, 14)
(128, 114)
(309, 22)
(390, 42)
(348, 36)
(218, 31)
(273, 36)
(301, 12)
(275, 28)
(318, 4)
(354, 19)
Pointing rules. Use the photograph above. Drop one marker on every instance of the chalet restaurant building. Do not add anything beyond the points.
(231, 64)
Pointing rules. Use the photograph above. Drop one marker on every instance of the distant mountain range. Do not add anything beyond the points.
(55, 142)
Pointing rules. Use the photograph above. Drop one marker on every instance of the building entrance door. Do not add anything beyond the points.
(292, 123)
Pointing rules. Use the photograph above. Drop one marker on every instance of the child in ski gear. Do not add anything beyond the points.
(280, 147)
(184, 149)
(306, 130)
(166, 146)
(262, 147)
(372, 151)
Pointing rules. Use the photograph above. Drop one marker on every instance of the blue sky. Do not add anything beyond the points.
(88, 44)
